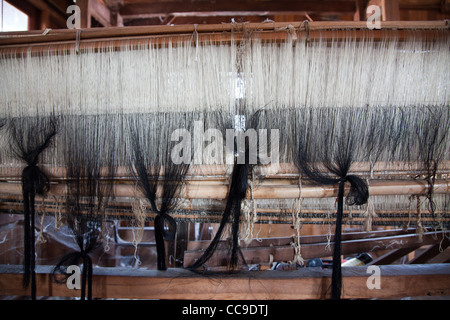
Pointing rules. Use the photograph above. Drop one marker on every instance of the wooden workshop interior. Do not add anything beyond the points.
(240, 149)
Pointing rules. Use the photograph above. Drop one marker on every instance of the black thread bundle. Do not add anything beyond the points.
(28, 138)
(87, 243)
(157, 168)
(85, 208)
(328, 142)
(358, 195)
(232, 212)
(432, 134)
(237, 192)
(90, 149)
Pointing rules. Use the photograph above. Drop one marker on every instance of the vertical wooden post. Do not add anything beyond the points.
(115, 18)
(85, 13)
(180, 245)
(44, 18)
(391, 10)
(360, 14)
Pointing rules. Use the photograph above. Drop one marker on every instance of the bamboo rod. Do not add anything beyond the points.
(220, 32)
(281, 170)
(108, 32)
(263, 191)
(188, 211)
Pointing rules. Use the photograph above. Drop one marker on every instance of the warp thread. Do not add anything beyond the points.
(297, 226)
(419, 227)
(41, 238)
(249, 214)
(139, 207)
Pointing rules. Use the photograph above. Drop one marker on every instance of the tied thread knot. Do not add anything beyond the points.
(162, 234)
(34, 180)
(73, 258)
(359, 190)
(358, 195)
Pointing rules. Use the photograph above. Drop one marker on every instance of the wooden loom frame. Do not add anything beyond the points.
(211, 182)
(217, 33)
(180, 284)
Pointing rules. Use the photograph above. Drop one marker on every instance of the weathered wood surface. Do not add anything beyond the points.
(306, 283)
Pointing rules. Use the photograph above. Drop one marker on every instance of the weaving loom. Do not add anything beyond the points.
(361, 114)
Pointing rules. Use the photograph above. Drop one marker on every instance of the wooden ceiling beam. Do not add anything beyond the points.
(420, 4)
(53, 11)
(361, 8)
(100, 12)
(235, 6)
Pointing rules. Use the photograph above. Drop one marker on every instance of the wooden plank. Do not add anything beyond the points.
(284, 241)
(393, 255)
(305, 283)
(443, 257)
(256, 255)
(431, 252)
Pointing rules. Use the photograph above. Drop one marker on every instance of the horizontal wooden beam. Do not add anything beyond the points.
(430, 252)
(393, 255)
(141, 9)
(256, 255)
(201, 190)
(305, 283)
(221, 32)
(276, 171)
(49, 7)
(286, 241)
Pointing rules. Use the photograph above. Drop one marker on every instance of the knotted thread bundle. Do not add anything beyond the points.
(90, 150)
(147, 183)
(237, 192)
(28, 138)
(328, 142)
(357, 195)
(153, 168)
(74, 258)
